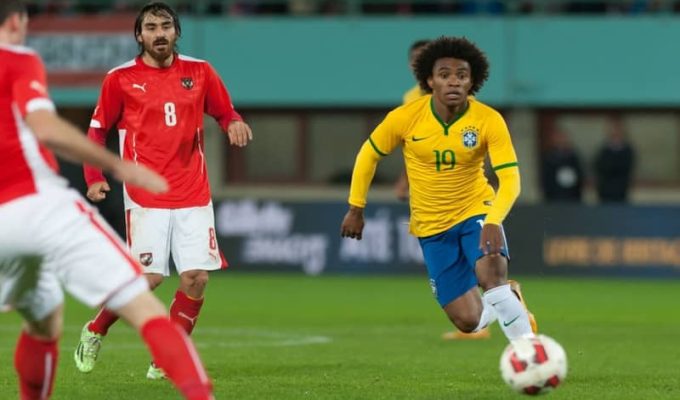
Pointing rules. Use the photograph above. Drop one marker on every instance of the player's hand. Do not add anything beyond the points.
(97, 191)
(491, 240)
(140, 176)
(239, 133)
(353, 223)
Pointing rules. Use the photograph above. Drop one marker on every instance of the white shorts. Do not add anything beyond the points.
(53, 239)
(188, 234)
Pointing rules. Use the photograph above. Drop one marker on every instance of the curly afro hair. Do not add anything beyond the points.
(452, 47)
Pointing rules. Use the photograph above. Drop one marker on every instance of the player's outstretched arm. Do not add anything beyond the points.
(492, 238)
(69, 143)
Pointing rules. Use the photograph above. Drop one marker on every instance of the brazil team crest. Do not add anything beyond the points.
(187, 83)
(470, 136)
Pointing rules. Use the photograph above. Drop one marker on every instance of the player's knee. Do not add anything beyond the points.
(466, 322)
(49, 328)
(154, 280)
(491, 272)
(202, 279)
(196, 278)
(467, 326)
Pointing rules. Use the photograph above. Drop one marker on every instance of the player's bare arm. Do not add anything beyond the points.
(64, 139)
(353, 223)
(138, 175)
(239, 133)
(491, 240)
(132, 174)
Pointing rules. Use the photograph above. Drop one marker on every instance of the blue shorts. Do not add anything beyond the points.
(450, 258)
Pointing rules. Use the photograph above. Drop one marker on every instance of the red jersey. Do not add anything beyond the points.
(26, 167)
(159, 116)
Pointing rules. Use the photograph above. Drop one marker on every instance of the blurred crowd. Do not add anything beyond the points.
(564, 172)
(366, 7)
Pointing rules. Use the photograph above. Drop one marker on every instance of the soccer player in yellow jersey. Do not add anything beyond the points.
(455, 214)
(401, 186)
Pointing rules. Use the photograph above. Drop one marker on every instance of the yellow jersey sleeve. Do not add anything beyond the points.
(362, 175)
(504, 163)
(501, 152)
(389, 134)
(508, 190)
(382, 141)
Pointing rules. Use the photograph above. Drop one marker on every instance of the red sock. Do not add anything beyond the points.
(102, 322)
(35, 361)
(184, 311)
(173, 351)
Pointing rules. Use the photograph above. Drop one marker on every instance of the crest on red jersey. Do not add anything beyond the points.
(146, 259)
(187, 83)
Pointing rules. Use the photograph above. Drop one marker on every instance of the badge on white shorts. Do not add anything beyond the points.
(146, 259)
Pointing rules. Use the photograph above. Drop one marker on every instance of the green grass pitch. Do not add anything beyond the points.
(297, 337)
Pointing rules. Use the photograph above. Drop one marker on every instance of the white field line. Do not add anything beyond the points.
(203, 337)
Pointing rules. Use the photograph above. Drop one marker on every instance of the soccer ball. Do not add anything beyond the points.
(535, 365)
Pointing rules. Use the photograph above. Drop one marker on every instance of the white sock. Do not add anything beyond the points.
(512, 316)
(488, 316)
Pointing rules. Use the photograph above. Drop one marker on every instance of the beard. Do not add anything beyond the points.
(160, 54)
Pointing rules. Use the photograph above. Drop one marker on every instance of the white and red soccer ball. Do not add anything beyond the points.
(534, 366)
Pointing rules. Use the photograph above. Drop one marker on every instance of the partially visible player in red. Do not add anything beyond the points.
(157, 102)
(50, 237)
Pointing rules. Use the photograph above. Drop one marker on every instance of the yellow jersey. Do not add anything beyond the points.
(444, 162)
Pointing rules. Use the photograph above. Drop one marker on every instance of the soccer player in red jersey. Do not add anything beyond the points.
(50, 237)
(157, 102)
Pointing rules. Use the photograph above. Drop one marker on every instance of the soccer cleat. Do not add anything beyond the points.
(517, 290)
(483, 333)
(154, 372)
(87, 351)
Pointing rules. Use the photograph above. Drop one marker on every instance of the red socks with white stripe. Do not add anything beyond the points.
(102, 322)
(184, 311)
(35, 361)
(173, 351)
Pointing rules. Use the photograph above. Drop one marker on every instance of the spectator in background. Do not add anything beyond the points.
(561, 171)
(302, 7)
(614, 164)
